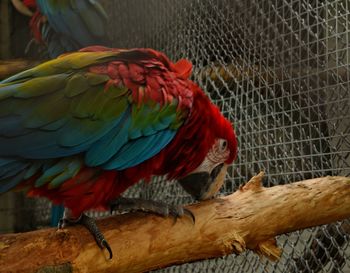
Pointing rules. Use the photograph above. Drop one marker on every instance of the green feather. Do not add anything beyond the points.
(115, 92)
(65, 64)
(76, 85)
(71, 169)
(96, 79)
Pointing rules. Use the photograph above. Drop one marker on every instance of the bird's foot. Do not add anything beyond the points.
(136, 204)
(91, 225)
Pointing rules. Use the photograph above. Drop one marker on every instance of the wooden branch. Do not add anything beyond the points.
(238, 72)
(250, 218)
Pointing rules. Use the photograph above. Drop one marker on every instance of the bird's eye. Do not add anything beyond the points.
(223, 144)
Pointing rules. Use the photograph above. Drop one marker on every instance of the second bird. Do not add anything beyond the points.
(65, 25)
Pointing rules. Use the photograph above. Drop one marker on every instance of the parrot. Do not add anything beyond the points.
(84, 127)
(65, 25)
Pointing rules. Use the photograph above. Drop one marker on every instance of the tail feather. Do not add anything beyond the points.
(11, 173)
(12, 182)
(77, 187)
(51, 173)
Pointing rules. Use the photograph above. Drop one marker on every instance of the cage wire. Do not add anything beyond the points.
(279, 70)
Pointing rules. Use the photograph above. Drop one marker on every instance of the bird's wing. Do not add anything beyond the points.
(60, 110)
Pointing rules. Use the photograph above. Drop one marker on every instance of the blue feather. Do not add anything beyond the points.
(111, 143)
(158, 143)
(11, 126)
(137, 151)
(5, 161)
(73, 25)
(33, 169)
(11, 168)
(8, 184)
(59, 172)
(41, 144)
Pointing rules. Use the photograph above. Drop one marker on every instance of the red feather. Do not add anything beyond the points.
(35, 25)
(36, 21)
(30, 3)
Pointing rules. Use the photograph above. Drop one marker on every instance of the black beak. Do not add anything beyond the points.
(204, 185)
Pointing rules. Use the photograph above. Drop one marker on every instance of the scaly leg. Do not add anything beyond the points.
(90, 224)
(122, 204)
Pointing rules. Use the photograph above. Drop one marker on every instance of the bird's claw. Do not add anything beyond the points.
(179, 212)
(190, 214)
(105, 244)
(90, 224)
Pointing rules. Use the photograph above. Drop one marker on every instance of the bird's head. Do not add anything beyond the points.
(219, 151)
(206, 180)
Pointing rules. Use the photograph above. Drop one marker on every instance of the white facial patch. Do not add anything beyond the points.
(216, 155)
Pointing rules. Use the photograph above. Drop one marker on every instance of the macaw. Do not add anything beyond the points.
(82, 128)
(65, 25)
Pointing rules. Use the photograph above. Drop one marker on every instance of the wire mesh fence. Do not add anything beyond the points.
(279, 70)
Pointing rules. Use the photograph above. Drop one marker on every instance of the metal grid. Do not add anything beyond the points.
(280, 71)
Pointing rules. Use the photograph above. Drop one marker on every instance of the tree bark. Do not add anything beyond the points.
(250, 218)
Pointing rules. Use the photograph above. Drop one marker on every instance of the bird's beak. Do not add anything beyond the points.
(204, 185)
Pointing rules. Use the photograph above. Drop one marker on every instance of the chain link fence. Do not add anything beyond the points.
(279, 70)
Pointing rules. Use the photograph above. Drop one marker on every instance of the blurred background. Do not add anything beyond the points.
(278, 69)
